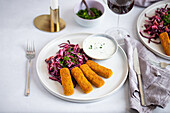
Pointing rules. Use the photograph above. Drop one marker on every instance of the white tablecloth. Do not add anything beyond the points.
(16, 27)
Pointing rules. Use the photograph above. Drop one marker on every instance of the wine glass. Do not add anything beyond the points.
(119, 7)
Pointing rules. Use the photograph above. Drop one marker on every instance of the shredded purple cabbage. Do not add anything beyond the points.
(69, 56)
(157, 24)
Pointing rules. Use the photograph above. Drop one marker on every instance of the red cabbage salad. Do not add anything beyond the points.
(157, 24)
(69, 56)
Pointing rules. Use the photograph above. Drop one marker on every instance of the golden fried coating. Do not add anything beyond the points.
(100, 70)
(165, 41)
(81, 80)
(92, 76)
(66, 81)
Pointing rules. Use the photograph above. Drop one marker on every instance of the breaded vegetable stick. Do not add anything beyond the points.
(92, 76)
(81, 80)
(100, 70)
(165, 41)
(66, 81)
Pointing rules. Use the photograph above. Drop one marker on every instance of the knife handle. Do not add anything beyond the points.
(142, 97)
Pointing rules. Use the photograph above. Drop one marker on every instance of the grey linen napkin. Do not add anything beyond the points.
(145, 3)
(156, 81)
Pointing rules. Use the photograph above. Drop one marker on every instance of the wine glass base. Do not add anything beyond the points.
(119, 34)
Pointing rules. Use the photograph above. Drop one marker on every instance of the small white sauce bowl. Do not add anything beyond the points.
(100, 46)
(87, 22)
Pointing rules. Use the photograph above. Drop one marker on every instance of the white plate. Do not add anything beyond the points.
(118, 63)
(150, 11)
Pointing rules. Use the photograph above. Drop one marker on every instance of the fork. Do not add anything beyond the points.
(163, 64)
(30, 54)
(160, 64)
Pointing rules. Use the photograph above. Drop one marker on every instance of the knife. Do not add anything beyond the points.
(138, 73)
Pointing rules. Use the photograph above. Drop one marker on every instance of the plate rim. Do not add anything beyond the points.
(138, 29)
(79, 100)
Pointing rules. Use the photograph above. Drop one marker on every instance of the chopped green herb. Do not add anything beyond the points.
(71, 48)
(76, 63)
(75, 56)
(90, 47)
(166, 18)
(65, 64)
(84, 13)
(72, 60)
(69, 51)
(60, 62)
(66, 58)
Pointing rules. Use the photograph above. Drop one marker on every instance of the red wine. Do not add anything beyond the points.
(120, 6)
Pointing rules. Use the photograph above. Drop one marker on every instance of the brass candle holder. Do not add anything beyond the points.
(50, 23)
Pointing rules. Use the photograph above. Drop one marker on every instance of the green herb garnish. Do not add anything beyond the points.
(84, 13)
(71, 48)
(66, 58)
(166, 18)
(72, 60)
(90, 47)
(61, 62)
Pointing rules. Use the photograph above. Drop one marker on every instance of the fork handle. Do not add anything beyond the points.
(27, 89)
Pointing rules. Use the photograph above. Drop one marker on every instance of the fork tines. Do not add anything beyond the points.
(30, 47)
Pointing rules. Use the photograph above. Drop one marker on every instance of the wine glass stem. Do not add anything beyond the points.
(118, 25)
(118, 21)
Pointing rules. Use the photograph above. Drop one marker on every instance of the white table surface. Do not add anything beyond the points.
(16, 27)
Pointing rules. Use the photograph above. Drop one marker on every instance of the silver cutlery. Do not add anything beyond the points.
(138, 72)
(88, 9)
(163, 64)
(30, 54)
(160, 64)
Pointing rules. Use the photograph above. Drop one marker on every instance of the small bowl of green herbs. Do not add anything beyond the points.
(82, 17)
(84, 13)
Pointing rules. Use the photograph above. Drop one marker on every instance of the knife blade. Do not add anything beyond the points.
(138, 73)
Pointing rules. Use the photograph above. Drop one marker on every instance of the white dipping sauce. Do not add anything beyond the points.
(99, 47)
